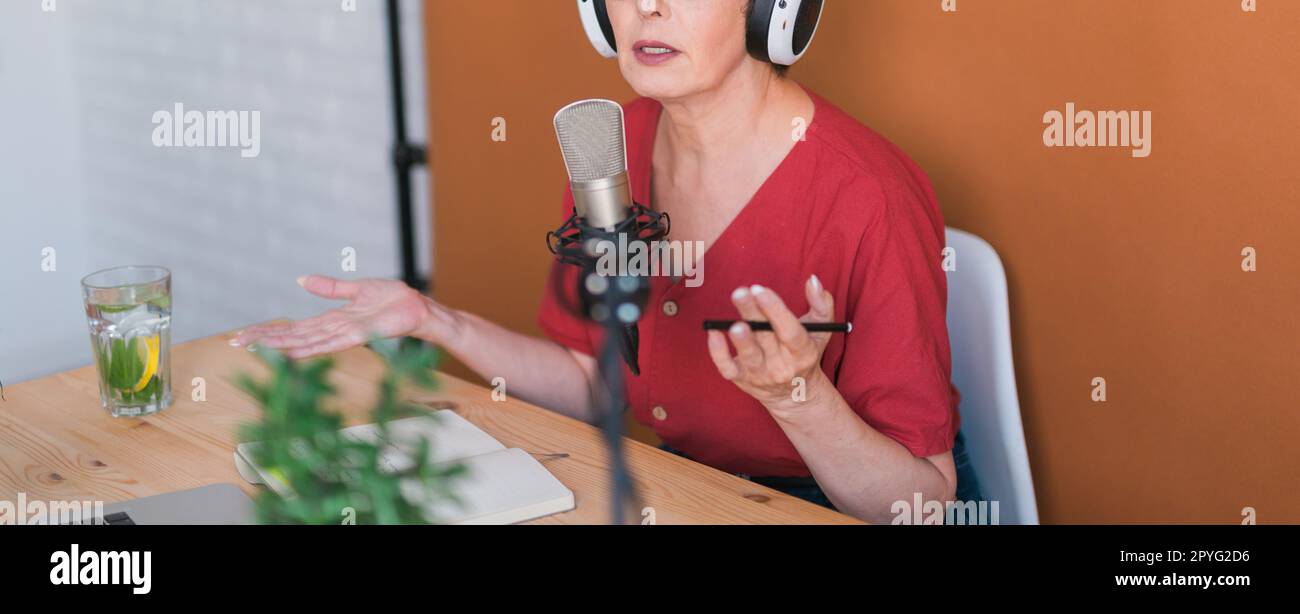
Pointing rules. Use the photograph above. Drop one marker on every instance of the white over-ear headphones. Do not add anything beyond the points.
(776, 31)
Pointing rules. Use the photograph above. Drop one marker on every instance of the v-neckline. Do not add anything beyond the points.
(646, 174)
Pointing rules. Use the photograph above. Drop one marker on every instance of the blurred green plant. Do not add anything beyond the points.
(335, 479)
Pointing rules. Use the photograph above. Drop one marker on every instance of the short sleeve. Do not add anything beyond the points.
(896, 369)
(557, 316)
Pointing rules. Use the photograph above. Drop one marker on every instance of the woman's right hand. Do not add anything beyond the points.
(383, 307)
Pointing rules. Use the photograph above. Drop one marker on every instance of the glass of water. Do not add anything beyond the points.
(129, 310)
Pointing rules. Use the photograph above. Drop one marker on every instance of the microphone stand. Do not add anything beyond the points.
(617, 302)
(611, 372)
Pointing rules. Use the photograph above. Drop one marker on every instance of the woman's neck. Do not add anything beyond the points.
(751, 108)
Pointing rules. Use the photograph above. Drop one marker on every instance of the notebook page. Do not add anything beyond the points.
(501, 487)
(450, 436)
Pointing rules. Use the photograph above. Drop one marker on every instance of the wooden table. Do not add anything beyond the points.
(57, 443)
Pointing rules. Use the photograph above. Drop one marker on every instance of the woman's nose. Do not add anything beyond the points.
(650, 8)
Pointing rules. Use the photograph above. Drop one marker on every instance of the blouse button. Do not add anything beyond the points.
(660, 413)
(670, 308)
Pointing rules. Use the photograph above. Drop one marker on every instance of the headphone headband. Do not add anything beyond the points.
(776, 31)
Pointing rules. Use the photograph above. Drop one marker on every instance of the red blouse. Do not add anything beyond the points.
(845, 204)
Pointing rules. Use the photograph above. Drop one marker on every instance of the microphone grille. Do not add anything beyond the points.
(592, 139)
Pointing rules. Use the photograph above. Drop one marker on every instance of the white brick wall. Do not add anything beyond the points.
(78, 170)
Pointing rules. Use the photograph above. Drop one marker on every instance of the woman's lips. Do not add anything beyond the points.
(652, 53)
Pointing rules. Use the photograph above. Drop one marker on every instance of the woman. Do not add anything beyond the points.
(832, 222)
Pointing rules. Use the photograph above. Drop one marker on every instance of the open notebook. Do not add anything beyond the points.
(500, 485)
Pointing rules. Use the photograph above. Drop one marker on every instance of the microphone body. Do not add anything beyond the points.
(603, 203)
(593, 141)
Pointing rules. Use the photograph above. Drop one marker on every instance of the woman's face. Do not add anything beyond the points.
(670, 49)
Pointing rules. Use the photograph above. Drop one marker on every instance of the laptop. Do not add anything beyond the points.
(214, 504)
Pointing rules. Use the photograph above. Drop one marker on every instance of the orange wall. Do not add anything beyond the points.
(1119, 267)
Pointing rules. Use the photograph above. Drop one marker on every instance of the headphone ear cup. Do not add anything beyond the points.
(595, 21)
(757, 26)
(780, 31)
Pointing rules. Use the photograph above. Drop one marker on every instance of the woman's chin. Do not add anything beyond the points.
(658, 82)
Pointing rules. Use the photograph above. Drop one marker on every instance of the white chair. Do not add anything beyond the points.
(979, 328)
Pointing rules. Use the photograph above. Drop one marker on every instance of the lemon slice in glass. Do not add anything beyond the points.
(149, 358)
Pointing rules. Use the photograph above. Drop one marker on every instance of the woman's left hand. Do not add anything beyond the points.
(767, 364)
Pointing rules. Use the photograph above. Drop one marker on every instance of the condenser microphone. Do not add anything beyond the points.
(593, 141)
